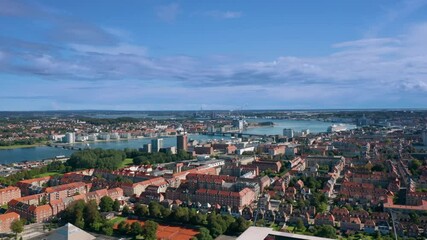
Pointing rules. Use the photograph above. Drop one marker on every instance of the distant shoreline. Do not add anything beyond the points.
(11, 147)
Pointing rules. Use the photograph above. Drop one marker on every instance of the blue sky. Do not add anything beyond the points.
(165, 55)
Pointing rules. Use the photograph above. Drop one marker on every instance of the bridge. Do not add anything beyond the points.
(66, 146)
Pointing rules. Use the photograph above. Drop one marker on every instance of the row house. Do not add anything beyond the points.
(324, 219)
(224, 147)
(263, 165)
(66, 190)
(376, 178)
(313, 160)
(6, 221)
(415, 198)
(9, 193)
(340, 213)
(235, 199)
(206, 181)
(362, 192)
(139, 187)
(42, 213)
(350, 224)
(152, 193)
(32, 186)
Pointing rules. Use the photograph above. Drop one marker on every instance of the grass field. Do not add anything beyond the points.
(20, 146)
(47, 174)
(117, 220)
(126, 162)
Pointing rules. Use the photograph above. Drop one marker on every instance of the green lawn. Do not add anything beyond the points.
(47, 174)
(126, 162)
(116, 220)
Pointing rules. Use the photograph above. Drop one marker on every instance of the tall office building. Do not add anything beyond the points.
(146, 148)
(182, 142)
(156, 144)
(424, 136)
(238, 123)
(288, 132)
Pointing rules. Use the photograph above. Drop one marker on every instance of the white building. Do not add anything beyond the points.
(70, 137)
(104, 136)
(92, 137)
(82, 138)
(126, 135)
(57, 138)
(114, 136)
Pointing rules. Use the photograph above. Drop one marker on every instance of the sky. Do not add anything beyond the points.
(223, 54)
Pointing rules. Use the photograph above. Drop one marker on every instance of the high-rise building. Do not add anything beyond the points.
(156, 144)
(70, 137)
(238, 123)
(288, 132)
(182, 142)
(146, 148)
(424, 136)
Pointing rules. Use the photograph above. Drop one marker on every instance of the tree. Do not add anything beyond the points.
(92, 217)
(107, 229)
(300, 225)
(135, 229)
(166, 212)
(239, 226)
(17, 226)
(116, 205)
(326, 231)
(126, 211)
(204, 234)
(150, 230)
(154, 208)
(123, 227)
(106, 204)
(141, 211)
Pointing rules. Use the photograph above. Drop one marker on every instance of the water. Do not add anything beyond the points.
(297, 125)
(40, 153)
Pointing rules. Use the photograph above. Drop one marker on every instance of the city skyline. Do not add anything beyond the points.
(226, 55)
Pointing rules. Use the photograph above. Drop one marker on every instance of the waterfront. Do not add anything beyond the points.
(297, 125)
(45, 152)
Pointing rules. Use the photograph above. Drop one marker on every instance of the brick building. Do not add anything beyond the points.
(9, 193)
(6, 221)
(66, 190)
(32, 186)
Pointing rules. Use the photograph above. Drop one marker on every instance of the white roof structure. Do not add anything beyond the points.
(69, 232)
(260, 233)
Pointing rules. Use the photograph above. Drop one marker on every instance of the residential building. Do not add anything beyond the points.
(182, 142)
(9, 193)
(6, 221)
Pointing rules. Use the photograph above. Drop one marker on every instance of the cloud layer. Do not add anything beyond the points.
(99, 58)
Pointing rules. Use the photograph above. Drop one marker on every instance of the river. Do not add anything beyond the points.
(40, 153)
